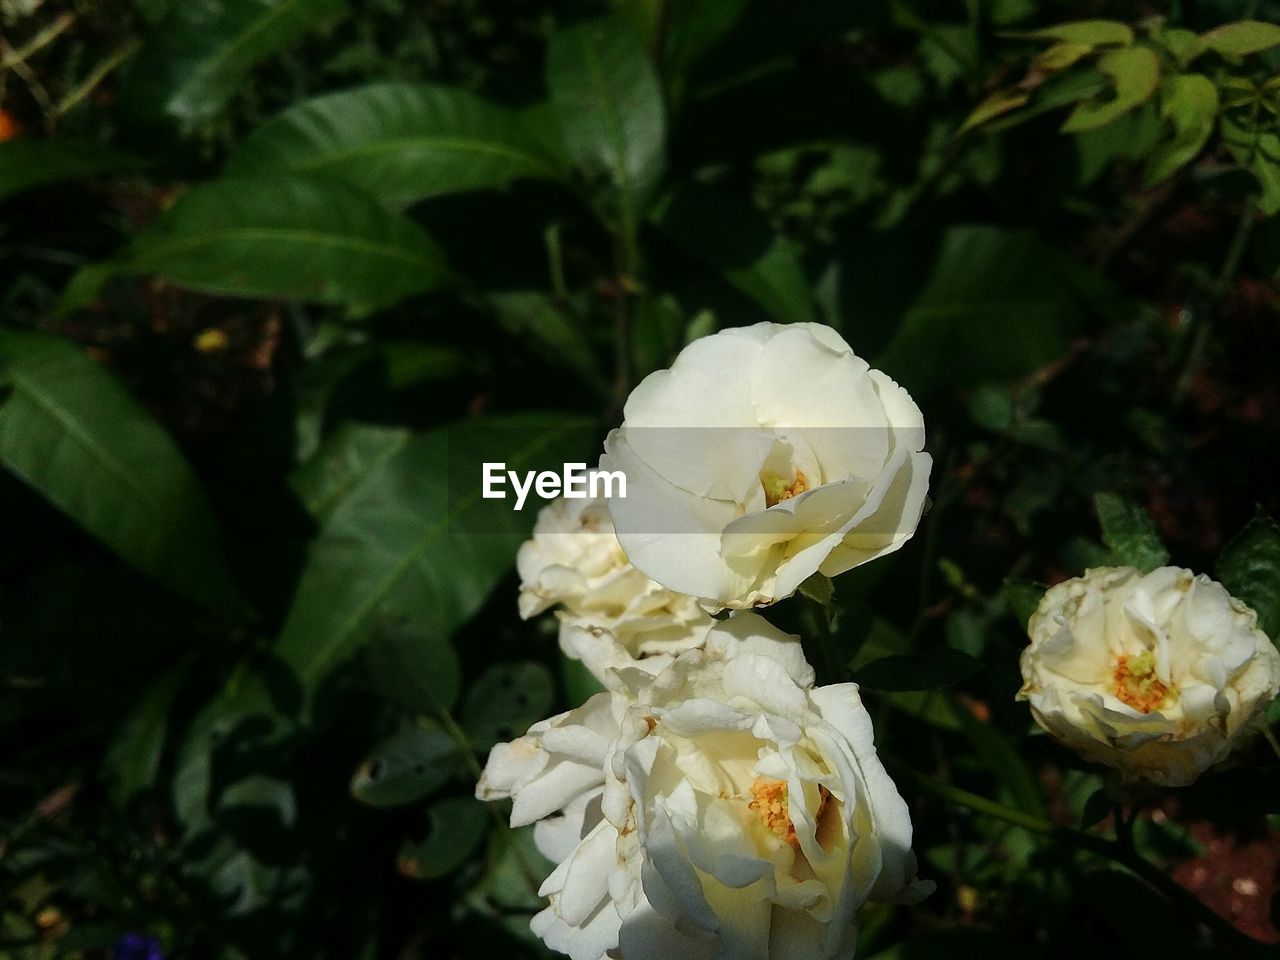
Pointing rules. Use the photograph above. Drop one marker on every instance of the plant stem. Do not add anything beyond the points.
(1156, 878)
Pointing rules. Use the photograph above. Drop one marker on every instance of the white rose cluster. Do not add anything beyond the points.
(1155, 675)
(765, 454)
(724, 808)
(611, 614)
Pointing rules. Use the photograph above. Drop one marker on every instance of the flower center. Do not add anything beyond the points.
(769, 801)
(1137, 683)
(776, 488)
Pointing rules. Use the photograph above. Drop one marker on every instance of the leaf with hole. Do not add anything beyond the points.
(455, 827)
(506, 700)
(406, 767)
(76, 437)
(1129, 532)
(284, 236)
(402, 142)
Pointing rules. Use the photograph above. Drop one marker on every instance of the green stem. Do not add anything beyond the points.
(1271, 739)
(1112, 850)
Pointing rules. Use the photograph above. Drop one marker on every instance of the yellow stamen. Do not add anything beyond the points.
(1137, 683)
(776, 489)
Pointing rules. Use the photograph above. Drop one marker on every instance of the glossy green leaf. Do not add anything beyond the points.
(198, 56)
(1094, 33)
(608, 102)
(1189, 101)
(348, 457)
(75, 436)
(1249, 567)
(416, 668)
(1242, 38)
(132, 759)
(412, 542)
(734, 239)
(1129, 532)
(401, 142)
(29, 162)
(1003, 302)
(290, 237)
(506, 700)
(932, 670)
(455, 827)
(1134, 72)
(406, 767)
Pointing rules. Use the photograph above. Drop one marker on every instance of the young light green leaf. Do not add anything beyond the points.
(197, 57)
(406, 767)
(401, 142)
(412, 543)
(506, 700)
(1242, 38)
(1129, 532)
(1094, 33)
(29, 162)
(734, 239)
(1249, 567)
(1134, 72)
(1257, 149)
(607, 99)
(455, 827)
(76, 437)
(285, 236)
(997, 104)
(1190, 102)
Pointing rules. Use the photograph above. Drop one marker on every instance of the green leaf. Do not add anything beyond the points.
(74, 435)
(996, 305)
(606, 97)
(132, 759)
(731, 237)
(998, 752)
(1242, 38)
(416, 668)
(1129, 532)
(1095, 33)
(1257, 149)
(347, 458)
(196, 59)
(997, 104)
(506, 700)
(400, 143)
(406, 767)
(1135, 72)
(455, 827)
(1024, 597)
(29, 162)
(1249, 567)
(932, 670)
(290, 237)
(411, 541)
(1097, 808)
(262, 792)
(1190, 102)
(557, 328)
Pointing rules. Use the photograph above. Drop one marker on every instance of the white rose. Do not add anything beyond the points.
(744, 813)
(611, 614)
(1154, 675)
(765, 454)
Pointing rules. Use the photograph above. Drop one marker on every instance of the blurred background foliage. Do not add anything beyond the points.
(276, 275)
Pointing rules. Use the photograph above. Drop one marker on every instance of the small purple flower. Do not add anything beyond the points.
(135, 946)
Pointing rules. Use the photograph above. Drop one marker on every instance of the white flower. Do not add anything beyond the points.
(737, 811)
(611, 614)
(1154, 675)
(765, 454)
